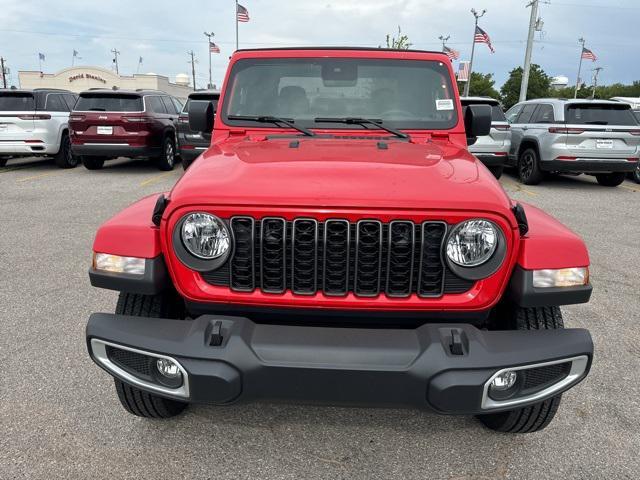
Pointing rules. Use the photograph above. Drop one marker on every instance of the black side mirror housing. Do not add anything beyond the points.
(201, 114)
(477, 122)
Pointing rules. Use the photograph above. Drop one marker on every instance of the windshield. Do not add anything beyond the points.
(406, 94)
(16, 102)
(599, 114)
(109, 103)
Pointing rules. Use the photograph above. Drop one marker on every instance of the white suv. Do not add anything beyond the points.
(35, 123)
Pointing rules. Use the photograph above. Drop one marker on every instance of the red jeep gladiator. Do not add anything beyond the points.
(338, 244)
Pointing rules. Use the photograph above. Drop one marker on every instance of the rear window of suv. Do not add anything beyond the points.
(16, 102)
(109, 103)
(599, 114)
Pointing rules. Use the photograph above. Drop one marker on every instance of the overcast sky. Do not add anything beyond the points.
(162, 32)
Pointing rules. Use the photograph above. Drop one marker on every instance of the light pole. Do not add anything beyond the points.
(209, 35)
(581, 41)
(193, 68)
(444, 40)
(115, 59)
(596, 71)
(476, 15)
(527, 56)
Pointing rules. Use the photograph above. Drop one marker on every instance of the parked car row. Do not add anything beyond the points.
(538, 137)
(99, 125)
(552, 136)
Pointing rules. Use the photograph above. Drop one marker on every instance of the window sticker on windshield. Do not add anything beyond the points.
(446, 104)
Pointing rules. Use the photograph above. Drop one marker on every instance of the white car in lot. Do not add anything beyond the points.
(35, 123)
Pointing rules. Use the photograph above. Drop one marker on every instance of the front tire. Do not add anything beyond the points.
(65, 157)
(610, 179)
(134, 400)
(93, 163)
(537, 416)
(167, 160)
(529, 167)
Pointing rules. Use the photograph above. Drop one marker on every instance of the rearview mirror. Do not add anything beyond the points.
(477, 122)
(201, 114)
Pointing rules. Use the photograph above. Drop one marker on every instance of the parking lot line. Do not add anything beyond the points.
(630, 188)
(35, 177)
(155, 179)
(11, 169)
(519, 188)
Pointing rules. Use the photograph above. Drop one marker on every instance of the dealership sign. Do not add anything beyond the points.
(90, 76)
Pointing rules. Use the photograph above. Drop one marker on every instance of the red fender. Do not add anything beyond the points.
(549, 244)
(131, 233)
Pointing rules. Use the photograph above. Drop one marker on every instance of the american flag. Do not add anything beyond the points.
(243, 14)
(451, 53)
(213, 48)
(483, 37)
(588, 54)
(463, 71)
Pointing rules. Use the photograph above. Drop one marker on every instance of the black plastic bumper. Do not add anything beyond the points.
(338, 366)
(491, 160)
(115, 151)
(588, 166)
(191, 154)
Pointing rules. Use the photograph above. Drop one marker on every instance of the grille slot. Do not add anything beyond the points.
(133, 362)
(336, 257)
(542, 377)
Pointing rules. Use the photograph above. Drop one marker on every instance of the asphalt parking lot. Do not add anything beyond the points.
(60, 418)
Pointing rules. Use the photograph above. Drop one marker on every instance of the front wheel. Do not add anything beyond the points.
(167, 159)
(610, 179)
(529, 167)
(537, 416)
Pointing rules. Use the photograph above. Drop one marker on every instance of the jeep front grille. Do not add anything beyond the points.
(335, 257)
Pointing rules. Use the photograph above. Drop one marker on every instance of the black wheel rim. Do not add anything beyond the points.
(169, 154)
(526, 165)
(636, 173)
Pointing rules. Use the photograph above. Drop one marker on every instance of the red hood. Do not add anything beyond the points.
(333, 172)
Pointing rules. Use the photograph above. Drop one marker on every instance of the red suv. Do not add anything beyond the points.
(108, 124)
(337, 243)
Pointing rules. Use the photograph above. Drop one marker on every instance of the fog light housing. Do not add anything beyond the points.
(505, 385)
(117, 264)
(168, 373)
(563, 277)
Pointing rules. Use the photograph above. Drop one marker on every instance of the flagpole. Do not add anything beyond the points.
(581, 41)
(237, 44)
(473, 49)
(73, 58)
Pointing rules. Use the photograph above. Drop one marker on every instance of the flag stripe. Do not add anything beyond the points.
(588, 54)
(242, 14)
(213, 48)
(451, 53)
(483, 37)
(463, 71)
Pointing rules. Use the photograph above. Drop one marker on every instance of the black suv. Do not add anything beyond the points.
(192, 143)
(107, 124)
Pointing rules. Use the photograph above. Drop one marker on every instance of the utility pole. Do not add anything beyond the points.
(476, 15)
(3, 72)
(236, 13)
(527, 56)
(596, 71)
(115, 59)
(193, 67)
(581, 41)
(445, 40)
(209, 36)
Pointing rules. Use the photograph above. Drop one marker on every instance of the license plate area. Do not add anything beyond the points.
(603, 143)
(105, 130)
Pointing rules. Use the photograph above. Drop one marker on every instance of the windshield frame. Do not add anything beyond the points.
(244, 60)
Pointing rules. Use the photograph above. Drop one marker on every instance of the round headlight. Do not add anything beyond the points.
(205, 236)
(472, 243)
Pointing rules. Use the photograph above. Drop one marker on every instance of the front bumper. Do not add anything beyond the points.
(587, 165)
(338, 366)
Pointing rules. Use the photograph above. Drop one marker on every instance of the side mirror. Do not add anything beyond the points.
(477, 122)
(201, 113)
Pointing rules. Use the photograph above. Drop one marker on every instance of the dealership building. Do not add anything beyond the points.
(78, 79)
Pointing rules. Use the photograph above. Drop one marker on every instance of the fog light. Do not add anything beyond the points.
(168, 368)
(504, 381)
(563, 277)
(117, 264)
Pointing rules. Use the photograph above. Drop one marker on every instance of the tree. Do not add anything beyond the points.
(400, 43)
(603, 92)
(539, 85)
(482, 85)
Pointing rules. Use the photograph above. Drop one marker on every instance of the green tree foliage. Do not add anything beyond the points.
(399, 43)
(603, 92)
(482, 85)
(539, 85)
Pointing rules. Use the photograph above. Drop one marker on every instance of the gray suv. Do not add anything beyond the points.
(492, 149)
(595, 137)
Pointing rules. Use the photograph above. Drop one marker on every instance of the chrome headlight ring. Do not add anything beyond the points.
(200, 254)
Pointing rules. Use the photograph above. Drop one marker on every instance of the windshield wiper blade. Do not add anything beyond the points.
(275, 120)
(361, 121)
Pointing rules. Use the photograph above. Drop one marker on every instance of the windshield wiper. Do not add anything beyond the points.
(275, 120)
(362, 121)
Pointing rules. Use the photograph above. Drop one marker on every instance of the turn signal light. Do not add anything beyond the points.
(563, 277)
(117, 264)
